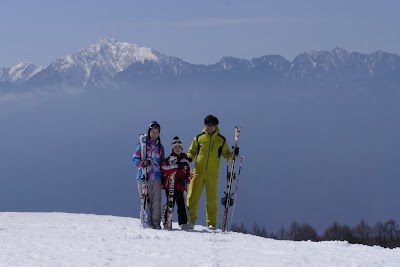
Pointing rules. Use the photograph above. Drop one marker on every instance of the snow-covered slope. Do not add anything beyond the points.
(59, 239)
(19, 73)
(23, 71)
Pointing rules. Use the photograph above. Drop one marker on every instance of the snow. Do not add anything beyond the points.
(23, 71)
(61, 239)
(108, 55)
(123, 54)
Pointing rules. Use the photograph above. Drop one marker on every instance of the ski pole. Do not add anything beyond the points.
(237, 186)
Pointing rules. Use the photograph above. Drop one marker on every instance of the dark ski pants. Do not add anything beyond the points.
(179, 199)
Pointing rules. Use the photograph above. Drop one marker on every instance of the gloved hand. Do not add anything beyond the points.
(190, 159)
(145, 163)
(182, 181)
(181, 165)
(236, 150)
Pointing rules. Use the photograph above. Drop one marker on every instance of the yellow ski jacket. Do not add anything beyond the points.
(208, 150)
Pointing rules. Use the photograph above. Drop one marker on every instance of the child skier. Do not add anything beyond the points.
(154, 157)
(177, 162)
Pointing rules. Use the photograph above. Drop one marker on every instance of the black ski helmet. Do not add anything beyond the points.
(154, 125)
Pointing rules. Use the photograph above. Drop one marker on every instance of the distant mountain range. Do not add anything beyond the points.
(113, 64)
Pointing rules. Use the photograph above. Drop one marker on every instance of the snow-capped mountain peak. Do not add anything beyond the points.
(340, 54)
(109, 63)
(122, 53)
(99, 62)
(232, 63)
(19, 73)
(108, 40)
(23, 71)
(110, 54)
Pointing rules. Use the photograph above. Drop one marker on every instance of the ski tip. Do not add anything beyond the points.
(142, 138)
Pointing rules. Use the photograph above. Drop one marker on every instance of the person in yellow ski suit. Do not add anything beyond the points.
(207, 147)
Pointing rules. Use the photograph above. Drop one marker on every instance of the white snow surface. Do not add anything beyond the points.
(62, 239)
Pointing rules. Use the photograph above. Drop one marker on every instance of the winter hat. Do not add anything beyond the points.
(176, 142)
(210, 119)
(154, 125)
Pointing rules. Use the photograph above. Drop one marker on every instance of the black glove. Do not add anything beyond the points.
(236, 151)
(181, 165)
(182, 181)
(145, 163)
(190, 159)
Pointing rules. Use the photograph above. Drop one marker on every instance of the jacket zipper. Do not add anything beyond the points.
(209, 150)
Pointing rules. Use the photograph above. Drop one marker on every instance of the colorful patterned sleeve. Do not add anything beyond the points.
(136, 158)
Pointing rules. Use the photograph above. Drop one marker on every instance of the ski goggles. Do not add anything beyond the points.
(176, 142)
(154, 125)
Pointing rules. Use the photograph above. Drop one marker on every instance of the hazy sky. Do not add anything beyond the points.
(196, 31)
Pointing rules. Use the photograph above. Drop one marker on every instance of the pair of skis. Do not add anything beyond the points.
(144, 200)
(229, 197)
(168, 208)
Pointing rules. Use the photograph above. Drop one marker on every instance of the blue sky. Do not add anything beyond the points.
(197, 31)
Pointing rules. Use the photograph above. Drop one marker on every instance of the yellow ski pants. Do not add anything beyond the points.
(198, 182)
